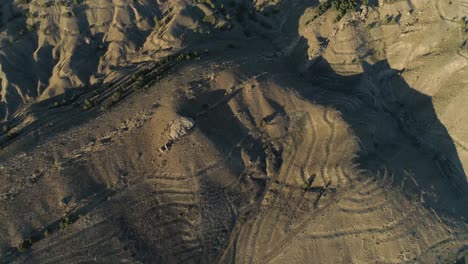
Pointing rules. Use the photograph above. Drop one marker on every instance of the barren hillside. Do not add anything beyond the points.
(234, 131)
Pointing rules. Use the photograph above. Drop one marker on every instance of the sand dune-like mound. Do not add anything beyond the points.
(235, 132)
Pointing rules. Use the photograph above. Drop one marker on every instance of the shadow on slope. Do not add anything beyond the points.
(398, 130)
(397, 126)
(223, 194)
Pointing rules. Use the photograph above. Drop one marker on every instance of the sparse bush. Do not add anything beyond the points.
(63, 3)
(21, 247)
(209, 19)
(69, 14)
(342, 6)
(116, 96)
(208, 2)
(88, 104)
(30, 28)
(323, 7)
(464, 24)
(390, 19)
(32, 15)
(140, 82)
(223, 27)
(25, 244)
(156, 22)
(65, 222)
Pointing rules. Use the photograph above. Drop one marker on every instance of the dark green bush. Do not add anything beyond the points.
(342, 6)
(69, 14)
(156, 22)
(209, 19)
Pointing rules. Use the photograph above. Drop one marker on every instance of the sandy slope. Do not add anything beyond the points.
(48, 47)
(314, 141)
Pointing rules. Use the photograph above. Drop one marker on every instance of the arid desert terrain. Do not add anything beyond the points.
(241, 131)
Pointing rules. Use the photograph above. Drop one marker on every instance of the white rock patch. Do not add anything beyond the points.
(180, 127)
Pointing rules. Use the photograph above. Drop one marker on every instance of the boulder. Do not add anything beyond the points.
(180, 127)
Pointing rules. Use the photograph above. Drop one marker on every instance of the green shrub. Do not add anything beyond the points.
(88, 104)
(323, 7)
(156, 22)
(342, 6)
(25, 244)
(69, 14)
(30, 28)
(65, 222)
(209, 19)
(116, 96)
(32, 15)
